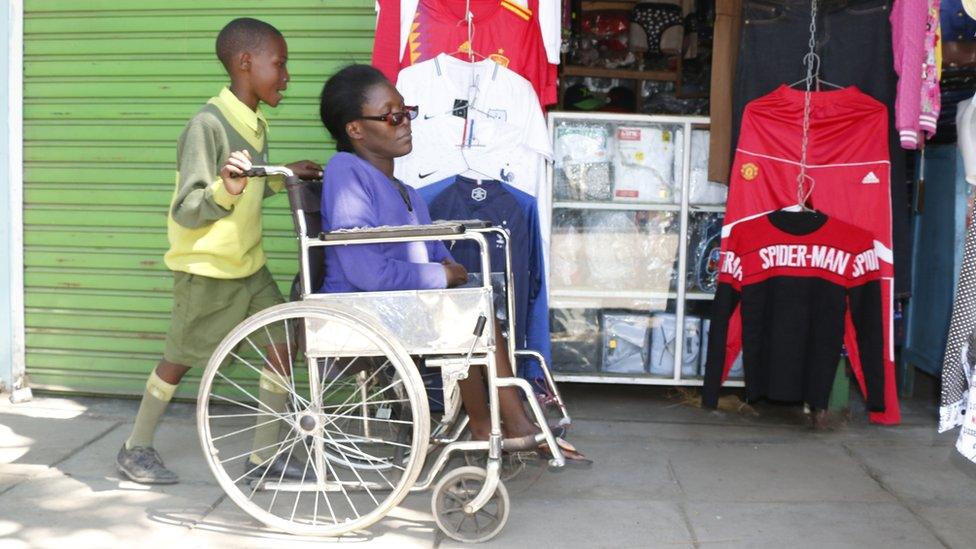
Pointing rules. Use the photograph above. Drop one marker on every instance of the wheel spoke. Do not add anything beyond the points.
(239, 431)
(290, 379)
(298, 494)
(464, 518)
(358, 476)
(281, 477)
(255, 451)
(249, 395)
(362, 455)
(258, 372)
(264, 463)
(489, 515)
(335, 475)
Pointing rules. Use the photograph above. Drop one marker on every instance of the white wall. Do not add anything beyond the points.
(11, 193)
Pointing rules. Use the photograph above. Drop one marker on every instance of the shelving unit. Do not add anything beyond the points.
(637, 76)
(671, 219)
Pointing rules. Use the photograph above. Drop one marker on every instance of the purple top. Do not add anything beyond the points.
(355, 195)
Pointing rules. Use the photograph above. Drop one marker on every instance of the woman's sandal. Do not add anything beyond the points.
(572, 455)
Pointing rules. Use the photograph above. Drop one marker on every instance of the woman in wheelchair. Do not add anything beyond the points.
(366, 116)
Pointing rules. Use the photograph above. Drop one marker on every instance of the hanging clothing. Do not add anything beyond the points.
(957, 24)
(791, 282)
(505, 31)
(960, 353)
(493, 128)
(915, 38)
(509, 208)
(854, 42)
(958, 399)
(848, 158)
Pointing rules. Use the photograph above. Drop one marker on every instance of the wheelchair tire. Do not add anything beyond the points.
(457, 488)
(312, 427)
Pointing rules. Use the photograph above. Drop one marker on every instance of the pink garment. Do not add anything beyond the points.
(913, 46)
(931, 101)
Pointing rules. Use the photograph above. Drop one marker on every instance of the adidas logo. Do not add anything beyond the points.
(870, 178)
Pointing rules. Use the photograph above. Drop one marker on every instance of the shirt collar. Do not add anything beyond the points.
(233, 106)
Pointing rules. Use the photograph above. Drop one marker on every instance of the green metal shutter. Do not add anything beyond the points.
(108, 86)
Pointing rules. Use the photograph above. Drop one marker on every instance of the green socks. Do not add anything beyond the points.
(272, 398)
(154, 401)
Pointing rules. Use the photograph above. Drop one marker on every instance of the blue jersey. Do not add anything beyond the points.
(504, 206)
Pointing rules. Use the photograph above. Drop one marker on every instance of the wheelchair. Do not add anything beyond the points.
(357, 410)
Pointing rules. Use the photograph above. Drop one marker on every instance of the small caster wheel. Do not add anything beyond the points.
(459, 487)
(512, 463)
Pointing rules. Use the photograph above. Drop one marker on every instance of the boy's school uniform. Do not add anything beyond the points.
(220, 277)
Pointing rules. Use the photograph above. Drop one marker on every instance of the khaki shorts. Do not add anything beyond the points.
(206, 309)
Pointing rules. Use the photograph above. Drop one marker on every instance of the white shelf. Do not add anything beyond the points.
(699, 296)
(630, 379)
(612, 294)
(629, 206)
(711, 208)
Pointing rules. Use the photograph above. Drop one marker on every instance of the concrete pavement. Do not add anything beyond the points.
(665, 475)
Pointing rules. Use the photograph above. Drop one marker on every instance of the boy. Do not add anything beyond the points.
(214, 229)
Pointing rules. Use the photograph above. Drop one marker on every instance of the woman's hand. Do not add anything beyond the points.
(456, 273)
(306, 170)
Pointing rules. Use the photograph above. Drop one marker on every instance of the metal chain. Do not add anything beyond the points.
(812, 61)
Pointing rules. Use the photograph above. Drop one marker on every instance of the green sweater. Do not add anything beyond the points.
(212, 232)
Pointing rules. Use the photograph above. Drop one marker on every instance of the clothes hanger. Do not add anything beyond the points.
(815, 59)
(467, 136)
(469, 51)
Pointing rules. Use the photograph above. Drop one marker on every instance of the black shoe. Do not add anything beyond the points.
(293, 470)
(142, 464)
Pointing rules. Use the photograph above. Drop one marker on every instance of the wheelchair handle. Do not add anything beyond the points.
(264, 171)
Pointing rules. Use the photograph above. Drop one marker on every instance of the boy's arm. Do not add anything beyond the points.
(201, 197)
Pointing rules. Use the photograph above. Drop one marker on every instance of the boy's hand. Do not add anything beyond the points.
(238, 163)
(456, 273)
(306, 170)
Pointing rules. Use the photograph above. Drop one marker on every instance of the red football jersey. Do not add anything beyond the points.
(504, 31)
(848, 160)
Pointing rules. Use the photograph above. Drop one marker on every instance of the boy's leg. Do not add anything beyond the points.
(273, 397)
(273, 389)
(160, 388)
(204, 310)
(137, 459)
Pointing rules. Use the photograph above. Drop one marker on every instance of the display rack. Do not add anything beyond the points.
(588, 305)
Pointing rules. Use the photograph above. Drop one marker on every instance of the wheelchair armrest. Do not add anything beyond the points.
(469, 224)
(405, 231)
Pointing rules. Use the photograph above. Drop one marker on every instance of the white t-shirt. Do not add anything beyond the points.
(966, 132)
(503, 136)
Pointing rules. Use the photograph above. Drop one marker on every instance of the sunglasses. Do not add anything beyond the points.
(395, 118)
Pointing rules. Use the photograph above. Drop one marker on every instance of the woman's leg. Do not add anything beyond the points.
(515, 422)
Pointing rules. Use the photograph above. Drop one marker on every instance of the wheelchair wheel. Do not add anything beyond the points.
(353, 428)
(457, 488)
